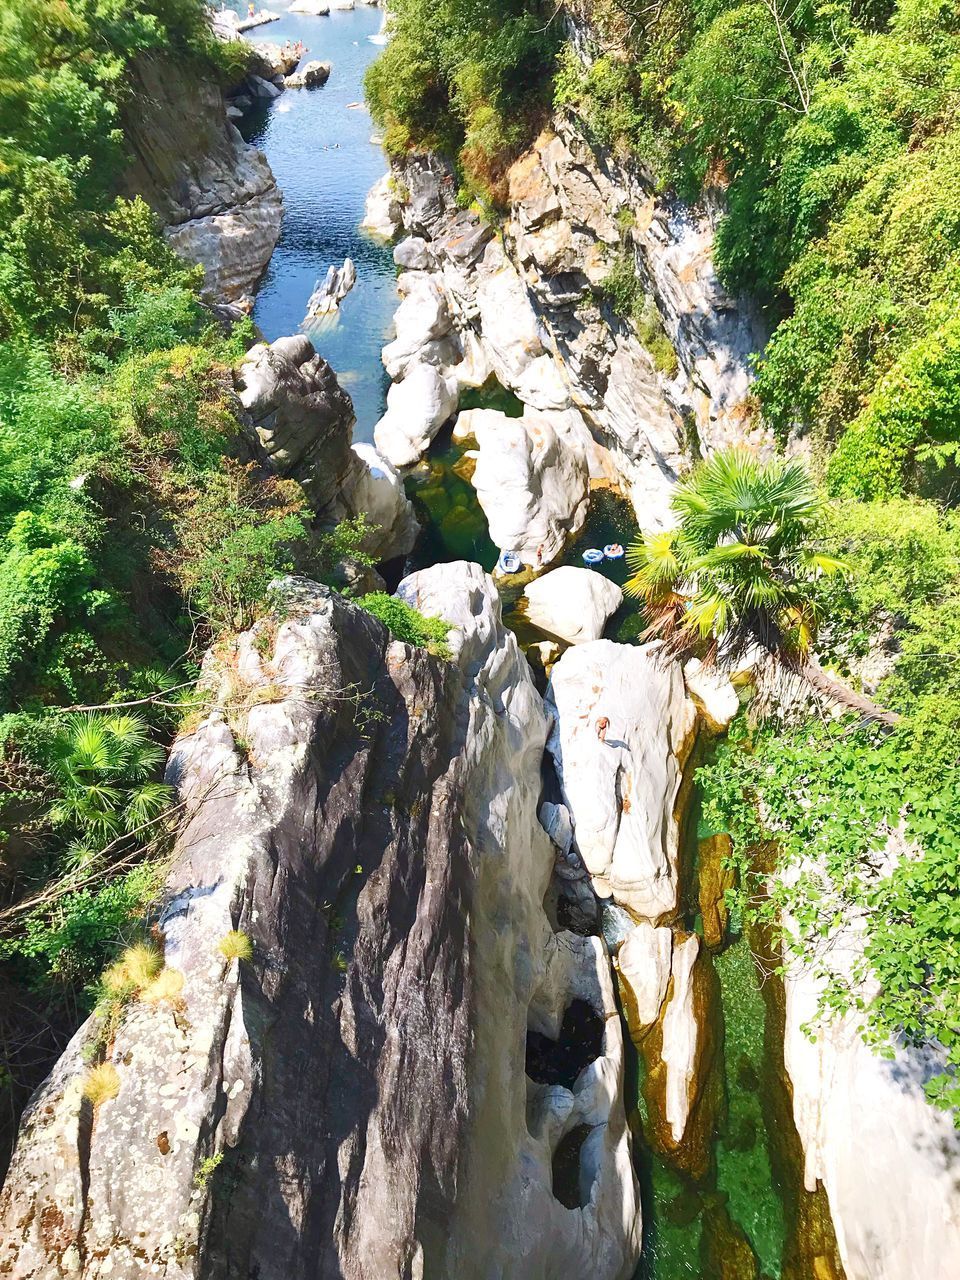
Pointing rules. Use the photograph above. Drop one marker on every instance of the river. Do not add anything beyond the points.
(747, 1216)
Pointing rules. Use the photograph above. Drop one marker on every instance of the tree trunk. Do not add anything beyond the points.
(836, 691)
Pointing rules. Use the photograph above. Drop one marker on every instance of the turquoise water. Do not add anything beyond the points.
(319, 148)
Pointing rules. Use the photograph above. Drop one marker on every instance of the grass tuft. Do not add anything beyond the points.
(235, 945)
(101, 1083)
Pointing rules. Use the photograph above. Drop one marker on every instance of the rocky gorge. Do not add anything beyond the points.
(483, 997)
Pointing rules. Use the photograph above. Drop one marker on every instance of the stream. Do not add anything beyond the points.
(745, 1216)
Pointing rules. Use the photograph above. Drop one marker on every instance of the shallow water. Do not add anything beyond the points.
(320, 151)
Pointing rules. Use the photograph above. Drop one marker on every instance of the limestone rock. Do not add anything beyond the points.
(417, 408)
(216, 196)
(422, 320)
(381, 214)
(272, 60)
(378, 493)
(681, 1035)
(414, 254)
(572, 604)
(311, 8)
(389, 872)
(302, 418)
(622, 791)
(312, 75)
(644, 962)
(713, 693)
(533, 491)
(327, 296)
(889, 1161)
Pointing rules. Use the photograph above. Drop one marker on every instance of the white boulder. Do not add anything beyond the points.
(572, 604)
(311, 8)
(533, 490)
(644, 963)
(622, 788)
(417, 408)
(422, 321)
(381, 213)
(681, 1036)
(378, 493)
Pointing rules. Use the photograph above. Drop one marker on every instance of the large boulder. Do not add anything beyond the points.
(622, 786)
(417, 408)
(379, 495)
(422, 322)
(302, 417)
(216, 196)
(381, 213)
(533, 490)
(572, 604)
(312, 75)
(353, 1098)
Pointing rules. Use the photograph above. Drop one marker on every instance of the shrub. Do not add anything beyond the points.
(406, 624)
(101, 1083)
(235, 945)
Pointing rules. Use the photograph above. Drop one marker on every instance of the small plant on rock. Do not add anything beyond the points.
(236, 945)
(101, 1083)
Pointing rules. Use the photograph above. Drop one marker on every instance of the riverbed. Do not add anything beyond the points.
(740, 1220)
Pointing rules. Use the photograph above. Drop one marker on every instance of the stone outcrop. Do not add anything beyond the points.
(356, 1099)
(216, 195)
(532, 487)
(381, 215)
(622, 788)
(331, 291)
(534, 304)
(417, 408)
(888, 1160)
(302, 417)
(571, 604)
(312, 75)
(303, 423)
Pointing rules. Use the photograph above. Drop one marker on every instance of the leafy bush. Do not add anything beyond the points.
(406, 624)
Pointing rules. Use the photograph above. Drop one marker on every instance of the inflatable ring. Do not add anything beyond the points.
(613, 551)
(593, 555)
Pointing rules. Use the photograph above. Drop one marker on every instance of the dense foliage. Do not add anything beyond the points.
(132, 522)
(470, 77)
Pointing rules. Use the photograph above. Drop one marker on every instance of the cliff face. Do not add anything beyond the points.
(530, 309)
(216, 195)
(353, 1101)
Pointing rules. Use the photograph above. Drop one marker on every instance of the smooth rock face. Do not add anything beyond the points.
(889, 1161)
(381, 215)
(681, 1037)
(417, 408)
(379, 494)
(421, 322)
(622, 791)
(215, 194)
(713, 693)
(357, 1090)
(302, 417)
(534, 491)
(312, 8)
(644, 961)
(572, 604)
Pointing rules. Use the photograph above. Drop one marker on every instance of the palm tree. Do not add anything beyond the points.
(738, 568)
(104, 766)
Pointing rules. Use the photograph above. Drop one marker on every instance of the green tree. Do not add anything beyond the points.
(739, 569)
(105, 767)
